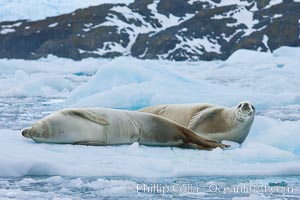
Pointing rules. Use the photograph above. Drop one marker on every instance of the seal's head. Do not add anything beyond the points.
(245, 111)
(37, 130)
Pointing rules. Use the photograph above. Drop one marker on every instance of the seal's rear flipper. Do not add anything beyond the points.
(200, 141)
(88, 115)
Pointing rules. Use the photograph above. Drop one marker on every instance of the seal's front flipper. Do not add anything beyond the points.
(205, 116)
(88, 115)
(89, 143)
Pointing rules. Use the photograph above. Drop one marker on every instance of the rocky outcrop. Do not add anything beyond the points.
(153, 29)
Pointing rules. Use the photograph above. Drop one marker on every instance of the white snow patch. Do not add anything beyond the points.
(230, 35)
(183, 30)
(272, 3)
(192, 1)
(5, 31)
(113, 20)
(224, 2)
(195, 46)
(277, 16)
(143, 27)
(242, 16)
(91, 27)
(265, 42)
(12, 25)
(53, 25)
(9, 28)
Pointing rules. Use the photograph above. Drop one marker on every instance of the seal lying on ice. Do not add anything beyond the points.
(213, 121)
(102, 126)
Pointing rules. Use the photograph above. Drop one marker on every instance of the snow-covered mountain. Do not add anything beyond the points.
(157, 29)
(12, 10)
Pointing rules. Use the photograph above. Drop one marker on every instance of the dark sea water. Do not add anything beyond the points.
(213, 187)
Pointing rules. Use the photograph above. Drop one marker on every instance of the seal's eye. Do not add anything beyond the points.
(240, 106)
(252, 107)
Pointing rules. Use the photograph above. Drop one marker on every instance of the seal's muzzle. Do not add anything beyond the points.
(26, 133)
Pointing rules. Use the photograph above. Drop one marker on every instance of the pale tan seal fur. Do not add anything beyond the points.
(216, 122)
(102, 126)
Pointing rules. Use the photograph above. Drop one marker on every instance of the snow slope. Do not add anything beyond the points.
(270, 81)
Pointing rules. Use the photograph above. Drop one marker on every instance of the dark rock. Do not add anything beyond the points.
(199, 30)
(175, 7)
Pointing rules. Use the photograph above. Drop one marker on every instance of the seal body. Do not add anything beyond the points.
(214, 121)
(102, 126)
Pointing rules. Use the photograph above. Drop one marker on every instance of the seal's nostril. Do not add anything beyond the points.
(24, 133)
